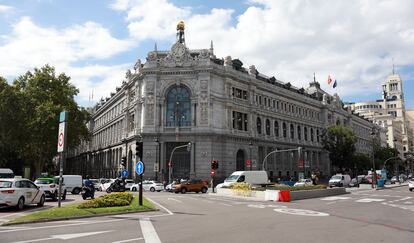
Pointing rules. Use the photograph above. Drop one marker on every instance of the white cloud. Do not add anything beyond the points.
(5, 9)
(30, 45)
(352, 40)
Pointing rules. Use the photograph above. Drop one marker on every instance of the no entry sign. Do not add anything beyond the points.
(61, 137)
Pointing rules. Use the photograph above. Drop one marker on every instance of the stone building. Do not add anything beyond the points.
(229, 113)
(390, 113)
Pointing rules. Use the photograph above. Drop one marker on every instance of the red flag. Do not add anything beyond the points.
(329, 79)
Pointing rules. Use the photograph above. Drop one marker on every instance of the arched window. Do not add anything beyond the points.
(284, 130)
(267, 127)
(311, 134)
(306, 133)
(292, 131)
(178, 107)
(276, 128)
(299, 133)
(259, 125)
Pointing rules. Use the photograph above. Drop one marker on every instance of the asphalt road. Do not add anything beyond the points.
(363, 216)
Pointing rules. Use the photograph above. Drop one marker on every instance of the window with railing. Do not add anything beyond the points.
(178, 107)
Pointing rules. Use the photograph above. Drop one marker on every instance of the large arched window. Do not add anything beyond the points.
(276, 129)
(178, 107)
(267, 127)
(284, 130)
(259, 125)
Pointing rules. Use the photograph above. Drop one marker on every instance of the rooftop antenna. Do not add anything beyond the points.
(211, 47)
(155, 47)
(314, 78)
(393, 68)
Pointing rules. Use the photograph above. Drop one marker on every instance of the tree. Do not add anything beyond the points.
(45, 95)
(362, 162)
(340, 141)
(383, 154)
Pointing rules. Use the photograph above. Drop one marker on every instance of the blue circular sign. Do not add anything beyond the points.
(124, 173)
(139, 167)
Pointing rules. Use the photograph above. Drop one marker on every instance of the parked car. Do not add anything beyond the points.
(168, 188)
(411, 184)
(304, 182)
(19, 192)
(73, 183)
(105, 184)
(6, 173)
(129, 183)
(339, 180)
(193, 185)
(149, 186)
(258, 177)
(356, 181)
(401, 179)
(50, 186)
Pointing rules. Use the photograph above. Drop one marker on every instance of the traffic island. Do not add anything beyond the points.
(74, 211)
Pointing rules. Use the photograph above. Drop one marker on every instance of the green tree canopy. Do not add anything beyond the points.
(41, 95)
(340, 141)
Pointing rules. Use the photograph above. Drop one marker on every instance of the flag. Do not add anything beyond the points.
(329, 79)
(334, 84)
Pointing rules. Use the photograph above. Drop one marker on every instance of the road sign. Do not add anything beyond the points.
(61, 137)
(124, 173)
(139, 168)
(247, 162)
(301, 163)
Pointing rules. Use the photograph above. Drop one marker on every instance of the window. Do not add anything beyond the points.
(284, 130)
(276, 128)
(267, 127)
(239, 121)
(292, 131)
(311, 134)
(238, 93)
(306, 133)
(317, 135)
(259, 125)
(299, 133)
(178, 106)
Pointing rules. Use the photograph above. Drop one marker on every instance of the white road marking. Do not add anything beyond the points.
(329, 203)
(65, 236)
(148, 231)
(367, 200)
(408, 202)
(122, 241)
(173, 199)
(334, 198)
(301, 212)
(256, 206)
(225, 204)
(159, 205)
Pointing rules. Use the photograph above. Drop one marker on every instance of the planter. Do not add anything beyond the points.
(299, 195)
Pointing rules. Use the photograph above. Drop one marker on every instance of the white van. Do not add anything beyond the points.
(339, 180)
(6, 173)
(255, 177)
(73, 183)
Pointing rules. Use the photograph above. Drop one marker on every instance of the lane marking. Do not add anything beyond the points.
(225, 204)
(368, 200)
(301, 212)
(148, 231)
(256, 206)
(334, 198)
(329, 203)
(27, 241)
(159, 205)
(122, 241)
(173, 199)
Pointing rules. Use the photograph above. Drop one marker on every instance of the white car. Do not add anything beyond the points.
(411, 184)
(149, 186)
(304, 182)
(51, 187)
(129, 183)
(19, 192)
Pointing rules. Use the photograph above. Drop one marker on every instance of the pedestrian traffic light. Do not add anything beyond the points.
(123, 161)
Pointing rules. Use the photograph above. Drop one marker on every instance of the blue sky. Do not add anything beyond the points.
(95, 42)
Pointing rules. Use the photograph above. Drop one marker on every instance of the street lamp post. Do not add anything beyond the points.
(250, 148)
(374, 174)
(188, 145)
(157, 142)
(278, 151)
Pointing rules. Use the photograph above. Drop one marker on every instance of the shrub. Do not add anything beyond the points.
(109, 200)
(291, 188)
(242, 188)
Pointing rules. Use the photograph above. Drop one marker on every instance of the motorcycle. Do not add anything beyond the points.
(87, 192)
(117, 186)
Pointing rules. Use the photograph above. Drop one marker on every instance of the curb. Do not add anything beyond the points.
(76, 217)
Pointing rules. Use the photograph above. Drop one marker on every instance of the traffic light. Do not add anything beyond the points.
(138, 150)
(123, 161)
(214, 164)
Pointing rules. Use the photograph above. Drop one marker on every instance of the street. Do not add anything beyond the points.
(384, 215)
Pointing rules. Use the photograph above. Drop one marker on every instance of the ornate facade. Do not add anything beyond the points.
(229, 113)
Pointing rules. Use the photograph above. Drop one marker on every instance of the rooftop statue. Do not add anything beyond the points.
(180, 25)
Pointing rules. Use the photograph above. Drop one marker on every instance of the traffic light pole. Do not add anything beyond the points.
(170, 161)
(140, 190)
(279, 151)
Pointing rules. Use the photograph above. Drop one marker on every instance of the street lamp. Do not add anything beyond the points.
(170, 165)
(374, 174)
(250, 148)
(157, 143)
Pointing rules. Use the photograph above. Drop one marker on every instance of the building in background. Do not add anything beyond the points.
(229, 113)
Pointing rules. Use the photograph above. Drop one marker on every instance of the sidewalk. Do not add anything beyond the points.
(368, 187)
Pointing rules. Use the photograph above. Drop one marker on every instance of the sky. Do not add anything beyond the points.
(95, 42)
